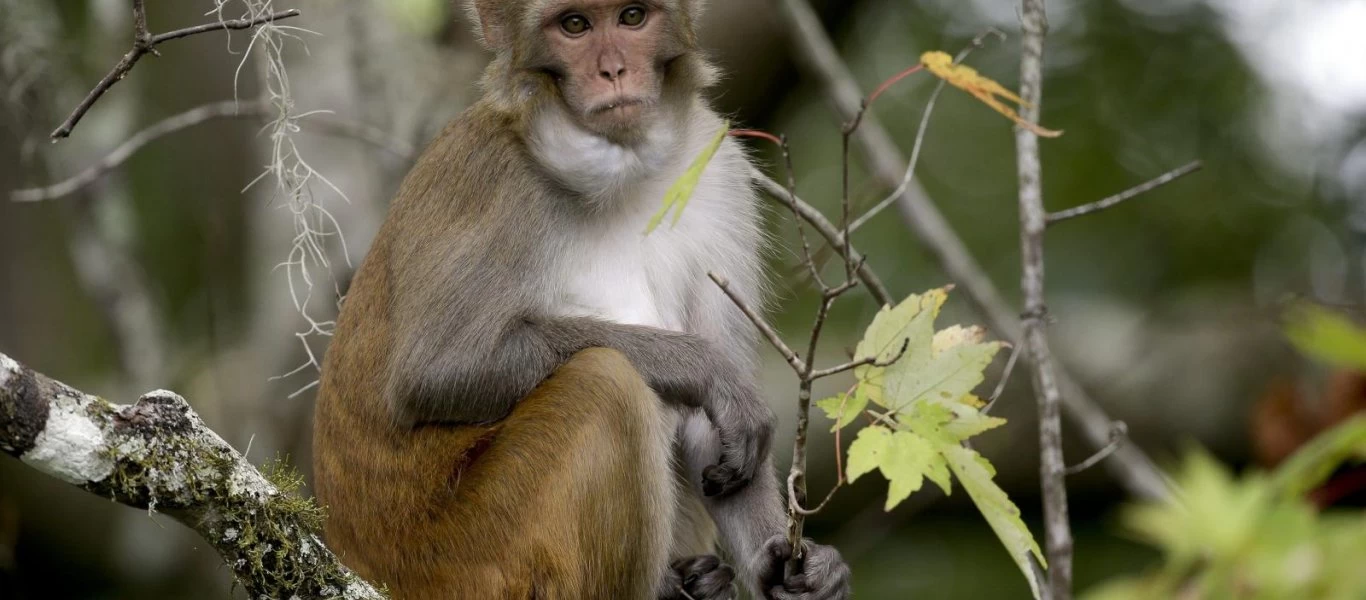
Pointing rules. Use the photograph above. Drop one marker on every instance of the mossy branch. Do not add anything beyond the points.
(157, 454)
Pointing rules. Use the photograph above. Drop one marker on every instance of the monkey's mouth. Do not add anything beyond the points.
(623, 106)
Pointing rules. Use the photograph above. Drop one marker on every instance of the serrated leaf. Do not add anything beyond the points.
(905, 463)
(968, 422)
(948, 376)
(1326, 335)
(678, 195)
(867, 451)
(910, 323)
(975, 474)
(843, 408)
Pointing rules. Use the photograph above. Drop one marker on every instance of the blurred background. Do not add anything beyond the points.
(174, 271)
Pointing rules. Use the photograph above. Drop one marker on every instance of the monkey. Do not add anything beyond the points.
(526, 396)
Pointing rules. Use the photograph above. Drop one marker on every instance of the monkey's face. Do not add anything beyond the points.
(609, 59)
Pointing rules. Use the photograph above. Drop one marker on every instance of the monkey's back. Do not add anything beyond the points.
(441, 511)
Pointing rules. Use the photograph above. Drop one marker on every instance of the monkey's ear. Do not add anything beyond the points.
(492, 20)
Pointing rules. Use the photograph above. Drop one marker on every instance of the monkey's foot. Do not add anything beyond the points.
(702, 577)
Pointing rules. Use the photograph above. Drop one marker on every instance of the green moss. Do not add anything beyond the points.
(268, 538)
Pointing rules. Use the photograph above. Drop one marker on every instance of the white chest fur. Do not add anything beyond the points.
(611, 269)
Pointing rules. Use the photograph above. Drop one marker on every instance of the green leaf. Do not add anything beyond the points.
(1311, 465)
(843, 408)
(867, 451)
(910, 323)
(678, 195)
(968, 422)
(904, 458)
(975, 474)
(905, 464)
(1326, 335)
(957, 362)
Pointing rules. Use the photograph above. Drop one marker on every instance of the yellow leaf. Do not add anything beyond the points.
(986, 90)
(680, 192)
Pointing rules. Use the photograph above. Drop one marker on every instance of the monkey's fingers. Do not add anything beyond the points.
(823, 574)
(740, 461)
(706, 577)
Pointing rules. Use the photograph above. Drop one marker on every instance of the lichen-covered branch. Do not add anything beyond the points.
(1033, 223)
(157, 454)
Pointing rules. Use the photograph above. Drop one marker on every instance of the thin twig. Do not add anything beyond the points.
(1118, 436)
(1129, 194)
(791, 357)
(802, 510)
(790, 196)
(1033, 223)
(145, 43)
(870, 361)
(1131, 466)
(924, 128)
(828, 231)
(1005, 378)
(327, 124)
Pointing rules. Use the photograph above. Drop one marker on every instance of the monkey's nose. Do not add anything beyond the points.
(613, 74)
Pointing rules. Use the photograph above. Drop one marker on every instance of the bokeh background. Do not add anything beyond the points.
(165, 272)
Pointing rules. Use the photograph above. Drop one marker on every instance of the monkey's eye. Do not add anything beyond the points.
(575, 24)
(633, 16)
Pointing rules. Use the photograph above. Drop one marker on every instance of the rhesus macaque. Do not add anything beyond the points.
(528, 397)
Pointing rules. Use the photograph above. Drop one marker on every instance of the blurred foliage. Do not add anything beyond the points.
(1255, 536)
(1327, 336)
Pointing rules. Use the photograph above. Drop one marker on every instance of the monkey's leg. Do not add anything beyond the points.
(569, 497)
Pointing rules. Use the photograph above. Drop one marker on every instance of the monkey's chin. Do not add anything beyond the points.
(622, 124)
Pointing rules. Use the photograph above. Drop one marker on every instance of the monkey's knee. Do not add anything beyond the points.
(595, 386)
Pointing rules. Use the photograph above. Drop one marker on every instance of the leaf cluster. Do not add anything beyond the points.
(921, 409)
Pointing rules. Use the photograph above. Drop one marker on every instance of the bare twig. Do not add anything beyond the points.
(1130, 466)
(1033, 223)
(145, 43)
(791, 357)
(1129, 194)
(870, 361)
(1118, 436)
(920, 133)
(326, 123)
(157, 454)
(792, 492)
(1005, 378)
(828, 231)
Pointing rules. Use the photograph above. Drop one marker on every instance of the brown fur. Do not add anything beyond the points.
(555, 501)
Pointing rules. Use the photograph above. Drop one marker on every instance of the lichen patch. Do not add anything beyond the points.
(71, 447)
(8, 369)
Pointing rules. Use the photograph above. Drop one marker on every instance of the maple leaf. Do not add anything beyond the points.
(985, 89)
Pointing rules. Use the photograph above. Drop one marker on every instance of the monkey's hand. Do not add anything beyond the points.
(702, 577)
(823, 574)
(745, 426)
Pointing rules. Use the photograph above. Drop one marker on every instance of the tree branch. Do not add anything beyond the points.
(157, 454)
(327, 123)
(1134, 470)
(145, 43)
(767, 330)
(1129, 194)
(832, 235)
(1033, 223)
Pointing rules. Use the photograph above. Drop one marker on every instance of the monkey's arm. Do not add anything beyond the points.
(479, 376)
